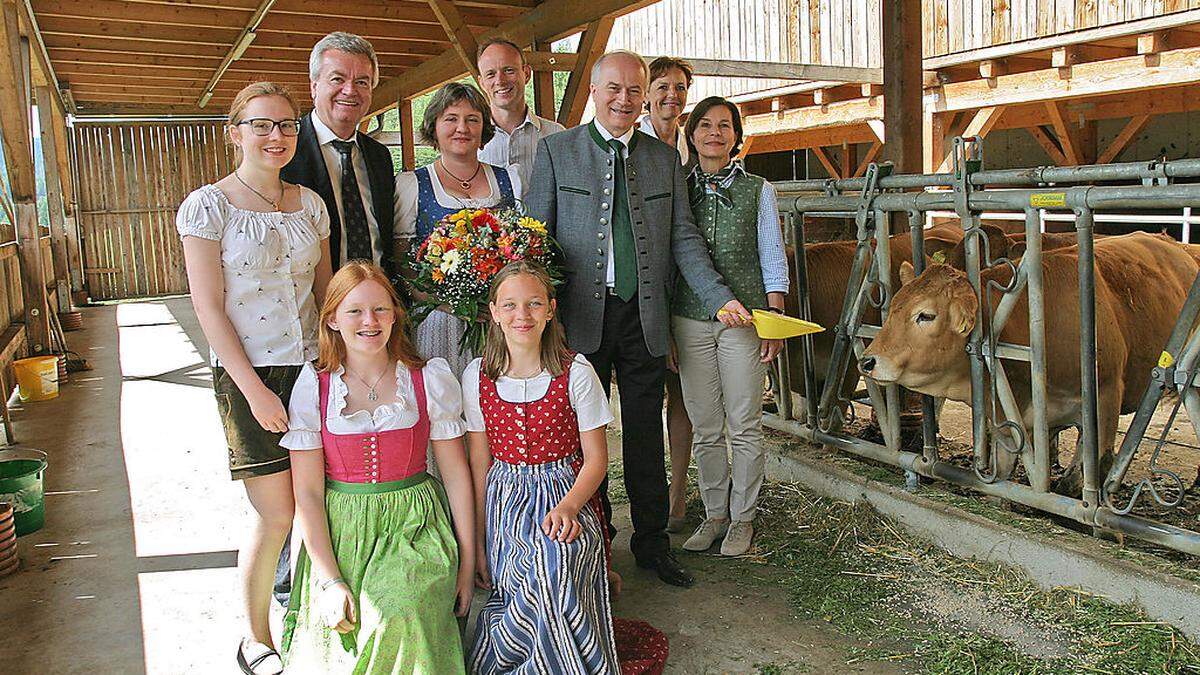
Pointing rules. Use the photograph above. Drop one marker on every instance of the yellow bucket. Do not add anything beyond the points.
(37, 378)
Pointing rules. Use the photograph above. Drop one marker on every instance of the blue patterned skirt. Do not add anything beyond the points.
(549, 610)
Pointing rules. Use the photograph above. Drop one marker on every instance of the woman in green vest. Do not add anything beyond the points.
(723, 369)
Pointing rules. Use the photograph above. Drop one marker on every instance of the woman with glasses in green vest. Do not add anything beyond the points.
(722, 368)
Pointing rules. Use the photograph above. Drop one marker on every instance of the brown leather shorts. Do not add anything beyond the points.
(253, 451)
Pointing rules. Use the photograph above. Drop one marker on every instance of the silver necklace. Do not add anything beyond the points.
(274, 203)
(371, 395)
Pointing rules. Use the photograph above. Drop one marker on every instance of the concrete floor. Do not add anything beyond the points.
(135, 569)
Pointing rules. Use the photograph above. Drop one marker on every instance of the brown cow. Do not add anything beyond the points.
(1010, 245)
(1141, 282)
(828, 265)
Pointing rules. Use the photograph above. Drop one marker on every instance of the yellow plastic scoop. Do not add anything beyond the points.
(772, 326)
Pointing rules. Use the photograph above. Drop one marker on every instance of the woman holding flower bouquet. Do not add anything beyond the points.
(457, 123)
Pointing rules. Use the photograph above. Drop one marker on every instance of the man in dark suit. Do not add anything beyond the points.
(616, 200)
(351, 171)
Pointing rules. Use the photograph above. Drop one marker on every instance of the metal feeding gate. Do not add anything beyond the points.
(1000, 436)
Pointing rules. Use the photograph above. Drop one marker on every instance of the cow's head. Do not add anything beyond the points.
(922, 345)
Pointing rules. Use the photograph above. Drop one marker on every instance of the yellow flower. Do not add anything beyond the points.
(532, 224)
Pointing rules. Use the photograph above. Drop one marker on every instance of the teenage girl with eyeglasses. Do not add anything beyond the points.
(257, 257)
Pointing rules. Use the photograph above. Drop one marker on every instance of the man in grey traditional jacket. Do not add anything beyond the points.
(616, 200)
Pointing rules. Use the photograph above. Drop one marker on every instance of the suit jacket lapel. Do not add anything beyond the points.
(311, 151)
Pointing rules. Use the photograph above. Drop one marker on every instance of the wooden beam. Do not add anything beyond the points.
(900, 35)
(840, 114)
(462, 41)
(870, 90)
(591, 46)
(543, 87)
(831, 168)
(774, 70)
(802, 139)
(978, 124)
(542, 59)
(43, 56)
(827, 95)
(747, 143)
(550, 18)
(1049, 145)
(408, 147)
(1175, 67)
(878, 129)
(14, 120)
(54, 197)
(872, 153)
(1135, 125)
(1070, 149)
(1103, 33)
(18, 156)
(992, 68)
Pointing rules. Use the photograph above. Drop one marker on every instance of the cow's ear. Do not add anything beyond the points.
(963, 308)
(907, 273)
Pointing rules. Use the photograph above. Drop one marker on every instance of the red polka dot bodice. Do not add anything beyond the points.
(545, 430)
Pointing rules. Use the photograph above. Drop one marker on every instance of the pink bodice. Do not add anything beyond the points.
(377, 457)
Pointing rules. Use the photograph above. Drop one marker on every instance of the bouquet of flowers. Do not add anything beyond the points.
(456, 263)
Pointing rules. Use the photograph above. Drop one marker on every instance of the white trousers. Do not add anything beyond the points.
(722, 380)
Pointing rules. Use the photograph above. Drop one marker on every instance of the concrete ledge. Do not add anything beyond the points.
(1050, 563)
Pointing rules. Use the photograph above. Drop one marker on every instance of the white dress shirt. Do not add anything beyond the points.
(443, 406)
(584, 391)
(610, 278)
(268, 263)
(333, 164)
(518, 148)
(681, 145)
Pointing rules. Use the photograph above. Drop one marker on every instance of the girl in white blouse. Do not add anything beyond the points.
(257, 257)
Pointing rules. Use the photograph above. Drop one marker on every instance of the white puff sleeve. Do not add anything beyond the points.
(587, 396)
(407, 191)
(304, 412)
(472, 411)
(316, 209)
(443, 401)
(201, 215)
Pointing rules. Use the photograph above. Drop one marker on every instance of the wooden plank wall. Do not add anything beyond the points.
(132, 178)
(832, 33)
(743, 30)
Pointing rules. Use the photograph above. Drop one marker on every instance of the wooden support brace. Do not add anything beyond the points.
(1048, 144)
(872, 153)
(591, 46)
(830, 167)
(408, 139)
(745, 149)
(877, 128)
(54, 198)
(1122, 140)
(461, 38)
(992, 68)
(872, 90)
(1073, 144)
(543, 87)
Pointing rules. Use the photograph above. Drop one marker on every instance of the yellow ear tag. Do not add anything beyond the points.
(939, 257)
(1165, 360)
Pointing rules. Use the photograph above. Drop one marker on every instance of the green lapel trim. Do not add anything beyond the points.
(595, 134)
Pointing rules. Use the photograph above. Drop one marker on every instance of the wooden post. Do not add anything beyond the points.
(543, 87)
(54, 197)
(18, 154)
(591, 46)
(901, 31)
(462, 40)
(408, 140)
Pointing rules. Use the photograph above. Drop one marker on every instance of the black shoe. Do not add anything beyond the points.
(669, 569)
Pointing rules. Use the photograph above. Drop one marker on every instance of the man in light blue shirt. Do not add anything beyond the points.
(503, 74)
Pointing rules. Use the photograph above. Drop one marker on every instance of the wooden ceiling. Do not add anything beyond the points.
(158, 56)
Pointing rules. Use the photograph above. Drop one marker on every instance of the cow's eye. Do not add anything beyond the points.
(925, 317)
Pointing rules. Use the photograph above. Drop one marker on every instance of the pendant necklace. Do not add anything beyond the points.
(274, 203)
(371, 395)
(466, 184)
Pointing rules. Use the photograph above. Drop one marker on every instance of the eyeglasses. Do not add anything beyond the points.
(263, 126)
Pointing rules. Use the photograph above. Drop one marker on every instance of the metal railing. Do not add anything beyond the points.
(1001, 435)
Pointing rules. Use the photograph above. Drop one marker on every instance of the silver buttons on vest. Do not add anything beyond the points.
(604, 206)
(599, 235)
(597, 296)
(608, 176)
(607, 191)
(604, 221)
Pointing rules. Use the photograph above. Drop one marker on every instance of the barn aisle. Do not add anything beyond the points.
(135, 569)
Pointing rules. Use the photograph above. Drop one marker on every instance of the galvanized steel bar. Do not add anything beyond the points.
(1088, 390)
(929, 446)
(1039, 472)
